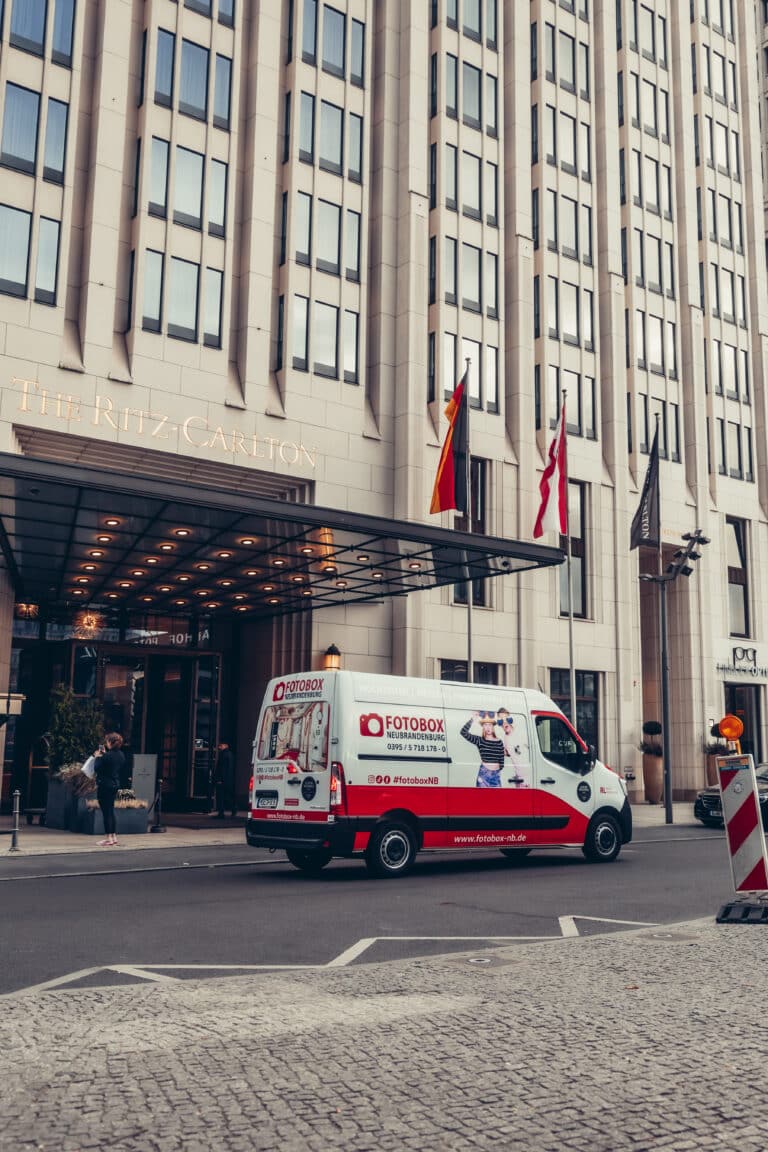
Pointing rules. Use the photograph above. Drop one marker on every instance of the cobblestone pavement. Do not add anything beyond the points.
(651, 1039)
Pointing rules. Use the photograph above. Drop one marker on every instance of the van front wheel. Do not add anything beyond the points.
(603, 840)
(391, 850)
(310, 861)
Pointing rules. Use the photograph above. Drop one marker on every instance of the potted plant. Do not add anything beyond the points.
(131, 815)
(75, 730)
(653, 766)
(715, 746)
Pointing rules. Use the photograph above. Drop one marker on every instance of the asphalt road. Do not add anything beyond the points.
(203, 907)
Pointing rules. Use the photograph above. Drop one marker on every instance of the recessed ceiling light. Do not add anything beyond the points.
(272, 600)
(183, 579)
(268, 588)
(226, 583)
(179, 602)
(147, 599)
(96, 553)
(377, 575)
(181, 532)
(363, 558)
(202, 592)
(202, 567)
(213, 604)
(124, 584)
(82, 580)
(112, 522)
(278, 562)
(164, 588)
(103, 540)
(240, 596)
(225, 555)
(307, 551)
(297, 579)
(166, 547)
(151, 560)
(415, 565)
(307, 592)
(247, 541)
(89, 567)
(78, 592)
(112, 596)
(341, 583)
(329, 569)
(252, 572)
(137, 572)
(243, 607)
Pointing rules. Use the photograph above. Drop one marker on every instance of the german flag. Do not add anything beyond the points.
(450, 490)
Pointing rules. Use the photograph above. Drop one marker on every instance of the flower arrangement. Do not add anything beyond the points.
(651, 747)
(717, 745)
(126, 798)
(73, 775)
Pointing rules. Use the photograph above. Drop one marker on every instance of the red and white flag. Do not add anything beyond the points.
(553, 511)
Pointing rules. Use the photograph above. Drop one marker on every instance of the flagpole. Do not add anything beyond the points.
(468, 511)
(569, 567)
(664, 654)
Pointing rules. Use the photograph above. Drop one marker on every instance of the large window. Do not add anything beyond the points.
(351, 347)
(193, 92)
(181, 305)
(28, 25)
(63, 28)
(166, 42)
(576, 531)
(307, 128)
(738, 584)
(357, 53)
(334, 36)
(328, 253)
(188, 188)
(47, 261)
(352, 246)
(325, 339)
(222, 92)
(55, 141)
(587, 700)
(212, 308)
(153, 291)
(309, 32)
(477, 520)
(331, 121)
(20, 122)
(483, 673)
(217, 198)
(15, 229)
(158, 178)
(300, 333)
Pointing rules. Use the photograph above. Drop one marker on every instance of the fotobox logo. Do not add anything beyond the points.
(371, 725)
(279, 691)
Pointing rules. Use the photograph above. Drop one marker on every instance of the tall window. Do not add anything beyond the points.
(166, 42)
(28, 25)
(158, 178)
(193, 92)
(478, 481)
(188, 188)
(738, 585)
(212, 308)
(20, 124)
(576, 529)
(55, 141)
(307, 128)
(217, 198)
(587, 700)
(47, 261)
(183, 289)
(14, 250)
(357, 54)
(153, 291)
(63, 27)
(331, 120)
(309, 32)
(325, 339)
(222, 95)
(334, 36)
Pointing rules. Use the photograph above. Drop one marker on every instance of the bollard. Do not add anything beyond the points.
(158, 825)
(15, 834)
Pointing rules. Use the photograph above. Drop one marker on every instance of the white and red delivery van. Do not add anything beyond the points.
(355, 764)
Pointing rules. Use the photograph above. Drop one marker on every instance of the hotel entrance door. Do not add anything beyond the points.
(165, 705)
(743, 700)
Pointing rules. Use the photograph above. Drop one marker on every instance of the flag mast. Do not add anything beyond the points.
(468, 513)
(569, 573)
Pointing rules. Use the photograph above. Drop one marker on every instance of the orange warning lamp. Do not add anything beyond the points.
(731, 727)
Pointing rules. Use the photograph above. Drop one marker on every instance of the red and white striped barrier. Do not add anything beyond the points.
(743, 826)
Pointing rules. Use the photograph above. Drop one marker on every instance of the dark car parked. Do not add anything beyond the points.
(707, 806)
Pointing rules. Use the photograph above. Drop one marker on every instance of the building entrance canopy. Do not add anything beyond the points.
(73, 536)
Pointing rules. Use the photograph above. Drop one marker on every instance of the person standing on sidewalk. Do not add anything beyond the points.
(225, 781)
(110, 763)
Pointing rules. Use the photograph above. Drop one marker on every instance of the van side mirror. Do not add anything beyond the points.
(589, 758)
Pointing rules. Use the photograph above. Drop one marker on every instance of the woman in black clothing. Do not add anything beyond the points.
(110, 762)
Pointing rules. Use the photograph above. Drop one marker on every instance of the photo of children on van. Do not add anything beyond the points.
(497, 742)
(296, 732)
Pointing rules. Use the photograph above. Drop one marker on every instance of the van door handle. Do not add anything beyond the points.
(547, 780)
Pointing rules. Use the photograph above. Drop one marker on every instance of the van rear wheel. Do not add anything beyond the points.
(391, 850)
(602, 842)
(311, 860)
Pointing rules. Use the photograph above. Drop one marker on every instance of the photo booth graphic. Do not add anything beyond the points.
(743, 826)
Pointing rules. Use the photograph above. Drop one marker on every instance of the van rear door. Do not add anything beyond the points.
(291, 771)
(565, 795)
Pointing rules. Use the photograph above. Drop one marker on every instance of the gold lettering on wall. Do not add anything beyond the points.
(105, 417)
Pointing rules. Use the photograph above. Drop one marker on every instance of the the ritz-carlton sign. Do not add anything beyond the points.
(105, 416)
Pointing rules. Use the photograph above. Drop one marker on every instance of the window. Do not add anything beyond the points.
(492, 285)
(586, 719)
(28, 25)
(193, 92)
(471, 11)
(490, 23)
(451, 86)
(181, 304)
(491, 378)
(451, 176)
(478, 482)
(567, 143)
(334, 38)
(569, 313)
(212, 308)
(201, 6)
(330, 149)
(286, 127)
(491, 109)
(470, 277)
(217, 198)
(351, 341)
(55, 141)
(307, 128)
(153, 291)
(325, 339)
(456, 671)
(166, 42)
(300, 333)
(20, 123)
(328, 243)
(352, 246)
(14, 250)
(355, 125)
(569, 227)
(576, 496)
(302, 228)
(63, 27)
(491, 194)
(188, 188)
(222, 93)
(566, 59)
(449, 364)
(470, 185)
(227, 12)
(736, 559)
(158, 178)
(449, 270)
(357, 53)
(471, 95)
(309, 32)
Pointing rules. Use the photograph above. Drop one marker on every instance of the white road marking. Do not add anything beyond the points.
(568, 923)
(352, 953)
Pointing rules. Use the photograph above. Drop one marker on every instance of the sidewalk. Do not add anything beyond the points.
(36, 841)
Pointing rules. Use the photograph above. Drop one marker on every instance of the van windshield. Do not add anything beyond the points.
(295, 732)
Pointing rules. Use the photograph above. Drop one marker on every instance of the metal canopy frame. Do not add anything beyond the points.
(73, 536)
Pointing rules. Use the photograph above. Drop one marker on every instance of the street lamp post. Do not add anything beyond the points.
(680, 565)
